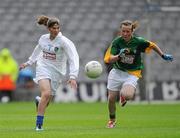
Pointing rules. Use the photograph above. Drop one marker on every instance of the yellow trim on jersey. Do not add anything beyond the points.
(107, 55)
(136, 73)
(151, 46)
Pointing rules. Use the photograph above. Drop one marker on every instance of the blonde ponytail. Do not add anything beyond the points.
(134, 24)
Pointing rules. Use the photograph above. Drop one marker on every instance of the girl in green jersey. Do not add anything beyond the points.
(125, 55)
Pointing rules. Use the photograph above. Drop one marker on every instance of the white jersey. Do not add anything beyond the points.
(52, 57)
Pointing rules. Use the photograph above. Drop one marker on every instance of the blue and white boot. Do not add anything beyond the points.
(39, 128)
(39, 122)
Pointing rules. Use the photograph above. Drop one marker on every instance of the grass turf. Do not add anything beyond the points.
(88, 120)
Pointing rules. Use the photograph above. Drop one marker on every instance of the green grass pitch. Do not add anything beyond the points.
(88, 120)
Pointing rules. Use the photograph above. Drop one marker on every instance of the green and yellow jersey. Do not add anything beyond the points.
(132, 62)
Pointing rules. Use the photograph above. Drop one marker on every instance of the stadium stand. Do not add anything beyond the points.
(90, 24)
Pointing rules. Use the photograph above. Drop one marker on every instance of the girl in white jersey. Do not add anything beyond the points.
(51, 56)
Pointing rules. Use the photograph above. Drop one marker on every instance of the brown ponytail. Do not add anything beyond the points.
(42, 20)
(47, 21)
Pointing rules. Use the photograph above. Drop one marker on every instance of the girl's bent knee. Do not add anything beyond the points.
(46, 95)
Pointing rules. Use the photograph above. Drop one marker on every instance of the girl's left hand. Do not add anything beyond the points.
(72, 83)
(167, 57)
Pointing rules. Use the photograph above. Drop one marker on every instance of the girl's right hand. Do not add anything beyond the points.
(22, 66)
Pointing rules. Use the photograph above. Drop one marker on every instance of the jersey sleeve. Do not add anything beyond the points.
(73, 58)
(34, 55)
(112, 50)
(150, 47)
(114, 47)
(145, 45)
(107, 55)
